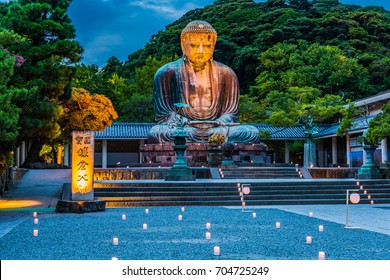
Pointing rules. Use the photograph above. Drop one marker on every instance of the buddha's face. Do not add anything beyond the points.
(198, 48)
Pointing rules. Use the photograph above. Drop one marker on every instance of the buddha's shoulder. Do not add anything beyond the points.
(222, 67)
(170, 67)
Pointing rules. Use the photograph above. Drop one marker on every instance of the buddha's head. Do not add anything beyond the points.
(198, 40)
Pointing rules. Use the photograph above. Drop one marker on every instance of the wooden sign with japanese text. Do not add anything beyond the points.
(82, 165)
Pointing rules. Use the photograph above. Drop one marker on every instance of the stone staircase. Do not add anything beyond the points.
(259, 173)
(134, 193)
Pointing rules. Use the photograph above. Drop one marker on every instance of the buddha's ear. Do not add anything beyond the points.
(183, 40)
(213, 37)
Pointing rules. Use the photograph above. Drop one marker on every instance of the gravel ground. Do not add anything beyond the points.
(240, 236)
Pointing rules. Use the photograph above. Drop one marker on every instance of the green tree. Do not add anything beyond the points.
(87, 77)
(295, 77)
(49, 52)
(9, 113)
(379, 126)
(138, 107)
(250, 111)
(113, 66)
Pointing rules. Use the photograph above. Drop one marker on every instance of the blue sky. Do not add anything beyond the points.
(108, 28)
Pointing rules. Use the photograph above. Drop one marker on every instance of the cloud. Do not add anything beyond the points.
(165, 8)
(101, 45)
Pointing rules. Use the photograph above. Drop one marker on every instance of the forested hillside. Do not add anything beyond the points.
(288, 56)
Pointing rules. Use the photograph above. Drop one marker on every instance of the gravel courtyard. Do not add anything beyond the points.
(239, 235)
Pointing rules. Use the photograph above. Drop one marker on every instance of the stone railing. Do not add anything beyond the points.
(10, 178)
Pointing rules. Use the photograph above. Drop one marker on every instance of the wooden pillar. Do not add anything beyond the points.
(22, 152)
(286, 152)
(141, 143)
(334, 149)
(17, 156)
(66, 154)
(60, 149)
(321, 153)
(348, 141)
(104, 153)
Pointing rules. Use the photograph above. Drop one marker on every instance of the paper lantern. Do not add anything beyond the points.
(354, 197)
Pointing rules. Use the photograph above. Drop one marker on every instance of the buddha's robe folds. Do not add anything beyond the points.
(212, 110)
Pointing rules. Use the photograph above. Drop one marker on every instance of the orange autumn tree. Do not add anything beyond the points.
(87, 112)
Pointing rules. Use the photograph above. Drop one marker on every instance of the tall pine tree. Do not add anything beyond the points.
(49, 52)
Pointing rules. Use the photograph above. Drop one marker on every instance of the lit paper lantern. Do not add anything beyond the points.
(246, 190)
(354, 197)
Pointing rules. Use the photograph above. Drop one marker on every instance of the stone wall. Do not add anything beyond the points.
(10, 178)
(329, 173)
(142, 173)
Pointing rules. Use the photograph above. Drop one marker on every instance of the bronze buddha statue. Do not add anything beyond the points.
(209, 88)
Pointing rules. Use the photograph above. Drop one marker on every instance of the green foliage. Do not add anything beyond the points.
(249, 110)
(130, 95)
(9, 112)
(87, 77)
(349, 114)
(50, 50)
(297, 77)
(139, 106)
(265, 135)
(323, 67)
(296, 146)
(379, 126)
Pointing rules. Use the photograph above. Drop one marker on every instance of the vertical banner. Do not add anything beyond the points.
(82, 165)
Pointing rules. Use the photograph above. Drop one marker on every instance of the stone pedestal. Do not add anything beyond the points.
(215, 156)
(81, 206)
(180, 170)
(309, 154)
(227, 151)
(201, 154)
(369, 170)
(67, 205)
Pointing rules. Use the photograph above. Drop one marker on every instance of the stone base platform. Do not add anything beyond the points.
(198, 154)
(67, 205)
(80, 206)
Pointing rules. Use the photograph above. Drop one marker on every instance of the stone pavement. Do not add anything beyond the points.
(365, 216)
(39, 190)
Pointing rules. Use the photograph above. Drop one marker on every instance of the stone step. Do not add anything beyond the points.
(228, 186)
(261, 176)
(113, 204)
(253, 193)
(128, 193)
(230, 195)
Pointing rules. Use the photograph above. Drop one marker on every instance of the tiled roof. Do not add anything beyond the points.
(140, 131)
(125, 131)
(287, 133)
(357, 126)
